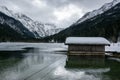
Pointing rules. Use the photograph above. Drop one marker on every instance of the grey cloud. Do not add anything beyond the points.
(46, 14)
(85, 3)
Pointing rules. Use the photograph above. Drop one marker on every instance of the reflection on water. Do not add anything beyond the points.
(85, 62)
(92, 67)
(43, 62)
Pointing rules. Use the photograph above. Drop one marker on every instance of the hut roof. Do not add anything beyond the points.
(87, 41)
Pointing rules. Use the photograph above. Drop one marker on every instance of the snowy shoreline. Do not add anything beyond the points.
(13, 46)
(20, 46)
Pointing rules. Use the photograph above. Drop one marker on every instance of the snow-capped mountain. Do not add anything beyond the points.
(10, 27)
(51, 29)
(101, 10)
(37, 28)
(105, 23)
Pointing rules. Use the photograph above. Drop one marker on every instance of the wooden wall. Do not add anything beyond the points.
(86, 49)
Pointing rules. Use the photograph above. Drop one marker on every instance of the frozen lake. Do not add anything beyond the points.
(48, 61)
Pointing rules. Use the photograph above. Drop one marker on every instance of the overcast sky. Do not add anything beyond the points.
(60, 12)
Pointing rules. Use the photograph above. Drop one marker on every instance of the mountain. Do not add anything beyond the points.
(99, 11)
(37, 28)
(12, 29)
(51, 29)
(104, 24)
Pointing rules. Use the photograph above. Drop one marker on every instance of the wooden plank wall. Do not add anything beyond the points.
(87, 48)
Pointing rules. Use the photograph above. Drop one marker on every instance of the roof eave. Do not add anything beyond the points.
(85, 44)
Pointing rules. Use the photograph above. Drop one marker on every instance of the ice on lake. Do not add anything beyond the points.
(48, 61)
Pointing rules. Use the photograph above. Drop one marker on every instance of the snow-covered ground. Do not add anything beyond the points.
(15, 46)
(114, 47)
(8, 46)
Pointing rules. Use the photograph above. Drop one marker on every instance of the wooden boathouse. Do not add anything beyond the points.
(86, 45)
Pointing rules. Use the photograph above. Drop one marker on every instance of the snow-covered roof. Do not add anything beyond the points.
(87, 40)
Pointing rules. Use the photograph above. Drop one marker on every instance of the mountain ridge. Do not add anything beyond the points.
(12, 29)
(37, 28)
(102, 25)
(96, 12)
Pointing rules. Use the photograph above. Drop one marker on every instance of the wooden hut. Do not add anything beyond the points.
(86, 45)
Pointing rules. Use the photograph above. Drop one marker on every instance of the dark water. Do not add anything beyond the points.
(46, 61)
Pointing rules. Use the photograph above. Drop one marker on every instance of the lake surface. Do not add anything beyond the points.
(48, 61)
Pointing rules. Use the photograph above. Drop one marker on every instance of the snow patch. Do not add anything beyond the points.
(114, 47)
